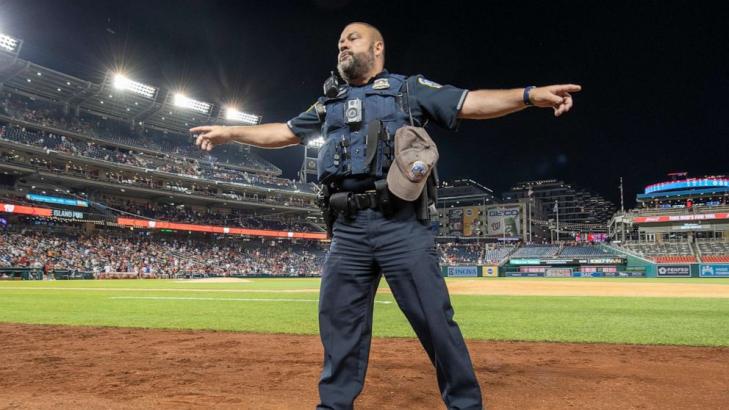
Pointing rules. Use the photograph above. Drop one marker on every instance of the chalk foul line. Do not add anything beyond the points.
(383, 302)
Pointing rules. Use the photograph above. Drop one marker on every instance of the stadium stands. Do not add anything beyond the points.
(473, 253)
(675, 259)
(108, 207)
(666, 252)
(48, 114)
(454, 254)
(106, 251)
(536, 251)
(496, 255)
(584, 251)
(142, 178)
(715, 258)
(168, 164)
(713, 251)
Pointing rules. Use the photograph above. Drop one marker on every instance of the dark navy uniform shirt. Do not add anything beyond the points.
(429, 101)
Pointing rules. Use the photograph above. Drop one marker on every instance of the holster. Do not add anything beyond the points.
(426, 202)
(323, 202)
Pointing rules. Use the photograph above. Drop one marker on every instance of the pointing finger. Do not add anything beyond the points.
(201, 129)
(567, 88)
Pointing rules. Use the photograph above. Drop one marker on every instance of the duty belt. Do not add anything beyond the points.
(348, 203)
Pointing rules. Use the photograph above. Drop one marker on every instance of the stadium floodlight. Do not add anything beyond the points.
(232, 114)
(8, 43)
(121, 82)
(316, 142)
(184, 101)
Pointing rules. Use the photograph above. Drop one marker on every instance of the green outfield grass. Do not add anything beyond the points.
(290, 305)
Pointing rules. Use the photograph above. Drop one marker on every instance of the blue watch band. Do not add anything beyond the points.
(526, 95)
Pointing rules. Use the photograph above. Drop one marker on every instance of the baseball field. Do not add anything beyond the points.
(252, 343)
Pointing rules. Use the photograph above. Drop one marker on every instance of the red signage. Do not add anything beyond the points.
(144, 223)
(24, 210)
(680, 218)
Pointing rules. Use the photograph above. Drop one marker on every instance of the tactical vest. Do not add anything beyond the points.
(344, 152)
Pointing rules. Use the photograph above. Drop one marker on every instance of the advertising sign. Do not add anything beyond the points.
(558, 261)
(688, 183)
(463, 271)
(470, 220)
(679, 218)
(57, 200)
(558, 272)
(525, 274)
(24, 210)
(144, 223)
(673, 271)
(503, 221)
(522, 261)
(714, 271)
(601, 261)
(588, 274)
(590, 237)
(490, 271)
(65, 213)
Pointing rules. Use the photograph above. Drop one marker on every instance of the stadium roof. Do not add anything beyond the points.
(117, 96)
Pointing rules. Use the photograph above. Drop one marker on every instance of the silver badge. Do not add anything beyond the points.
(381, 84)
(418, 170)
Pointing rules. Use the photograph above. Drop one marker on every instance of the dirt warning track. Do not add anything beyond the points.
(60, 367)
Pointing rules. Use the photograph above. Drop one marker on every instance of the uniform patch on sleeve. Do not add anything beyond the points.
(428, 83)
(381, 84)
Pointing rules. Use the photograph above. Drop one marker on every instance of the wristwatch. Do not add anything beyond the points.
(525, 97)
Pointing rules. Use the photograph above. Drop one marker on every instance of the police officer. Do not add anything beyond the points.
(358, 120)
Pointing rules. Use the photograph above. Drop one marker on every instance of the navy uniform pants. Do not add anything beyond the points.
(364, 248)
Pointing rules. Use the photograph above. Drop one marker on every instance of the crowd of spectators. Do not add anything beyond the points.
(156, 181)
(185, 214)
(474, 253)
(154, 256)
(161, 163)
(147, 254)
(50, 114)
(108, 207)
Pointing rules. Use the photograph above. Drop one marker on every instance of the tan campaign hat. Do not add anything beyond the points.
(415, 157)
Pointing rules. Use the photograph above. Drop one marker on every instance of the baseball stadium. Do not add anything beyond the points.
(139, 271)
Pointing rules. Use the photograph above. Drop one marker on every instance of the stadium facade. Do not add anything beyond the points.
(531, 212)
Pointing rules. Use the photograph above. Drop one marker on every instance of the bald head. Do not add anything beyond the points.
(361, 52)
(372, 31)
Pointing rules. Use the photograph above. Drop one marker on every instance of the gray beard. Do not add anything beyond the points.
(359, 66)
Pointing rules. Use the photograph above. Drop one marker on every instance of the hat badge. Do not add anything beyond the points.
(418, 169)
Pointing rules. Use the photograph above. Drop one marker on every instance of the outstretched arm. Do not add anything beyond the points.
(274, 135)
(485, 104)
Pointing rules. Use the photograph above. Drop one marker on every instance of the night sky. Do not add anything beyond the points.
(655, 75)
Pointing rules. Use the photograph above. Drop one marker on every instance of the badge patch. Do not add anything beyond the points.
(418, 170)
(381, 84)
(428, 83)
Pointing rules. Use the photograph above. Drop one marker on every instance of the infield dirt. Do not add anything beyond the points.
(61, 367)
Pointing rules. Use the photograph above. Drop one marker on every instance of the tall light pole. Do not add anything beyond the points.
(556, 209)
(622, 209)
(529, 214)
(503, 224)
